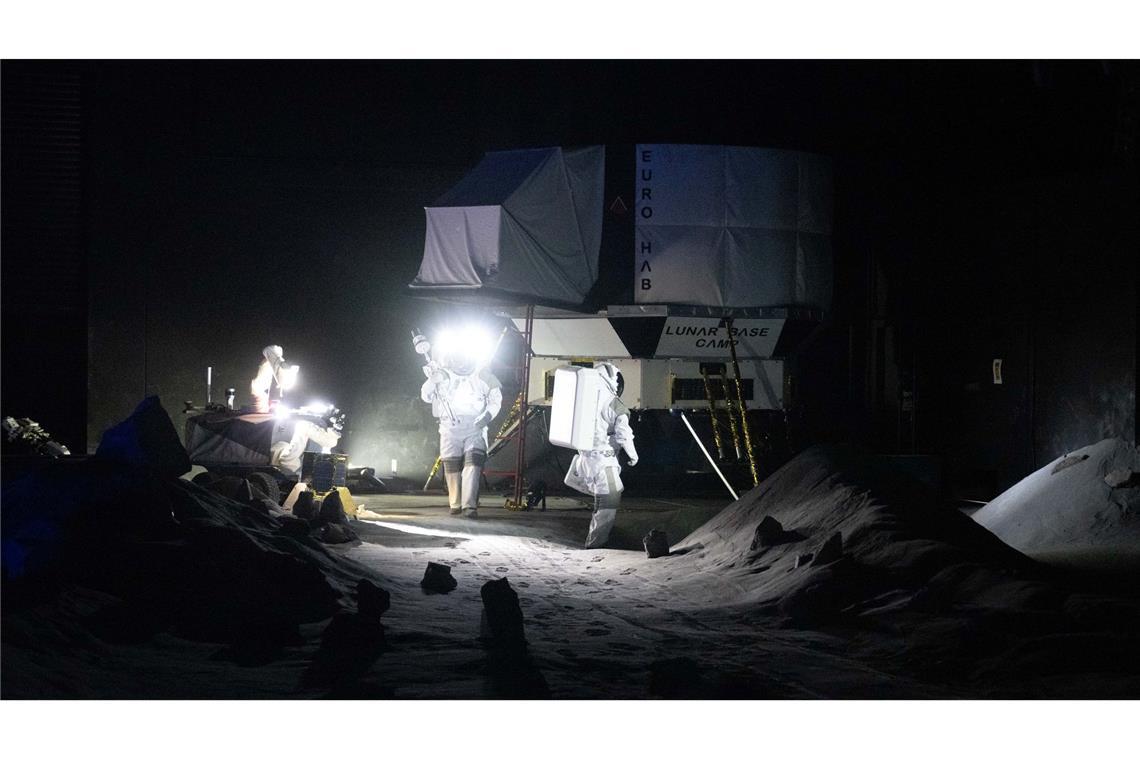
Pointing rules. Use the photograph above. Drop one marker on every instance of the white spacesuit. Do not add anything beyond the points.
(291, 439)
(291, 436)
(596, 471)
(465, 398)
(273, 359)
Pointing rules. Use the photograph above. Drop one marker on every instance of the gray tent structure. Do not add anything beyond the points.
(732, 227)
(708, 226)
(525, 225)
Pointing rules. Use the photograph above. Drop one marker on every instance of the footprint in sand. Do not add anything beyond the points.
(450, 544)
(464, 561)
(523, 584)
(597, 631)
(566, 652)
(612, 582)
(598, 558)
(502, 569)
(629, 571)
(484, 554)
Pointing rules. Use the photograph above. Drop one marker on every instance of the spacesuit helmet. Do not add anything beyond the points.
(275, 355)
(611, 376)
(461, 361)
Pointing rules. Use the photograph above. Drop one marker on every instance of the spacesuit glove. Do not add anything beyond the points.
(631, 454)
(484, 420)
(437, 376)
(632, 462)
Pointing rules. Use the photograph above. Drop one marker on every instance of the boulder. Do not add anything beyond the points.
(831, 550)
(305, 508)
(371, 600)
(771, 533)
(1121, 478)
(768, 533)
(502, 615)
(437, 579)
(656, 544)
(146, 438)
(332, 509)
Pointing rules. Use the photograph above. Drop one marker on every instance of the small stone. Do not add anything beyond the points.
(305, 508)
(1121, 478)
(831, 550)
(438, 579)
(332, 509)
(768, 533)
(656, 544)
(804, 559)
(337, 534)
(371, 600)
(503, 615)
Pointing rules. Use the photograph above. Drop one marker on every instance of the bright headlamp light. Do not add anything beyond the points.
(469, 346)
(288, 375)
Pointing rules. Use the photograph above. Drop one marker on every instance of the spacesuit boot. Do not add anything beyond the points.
(453, 476)
(471, 476)
(605, 514)
(601, 523)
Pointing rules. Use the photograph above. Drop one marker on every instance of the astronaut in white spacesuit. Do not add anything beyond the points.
(465, 397)
(269, 372)
(596, 471)
(291, 434)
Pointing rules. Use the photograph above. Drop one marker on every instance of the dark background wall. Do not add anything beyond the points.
(1056, 302)
(983, 210)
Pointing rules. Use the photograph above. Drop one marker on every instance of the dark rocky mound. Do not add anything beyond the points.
(845, 509)
(208, 563)
(1087, 501)
(833, 540)
(162, 556)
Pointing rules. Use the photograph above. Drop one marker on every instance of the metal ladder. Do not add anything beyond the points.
(519, 416)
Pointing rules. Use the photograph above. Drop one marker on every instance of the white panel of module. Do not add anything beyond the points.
(574, 407)
(579, 336)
